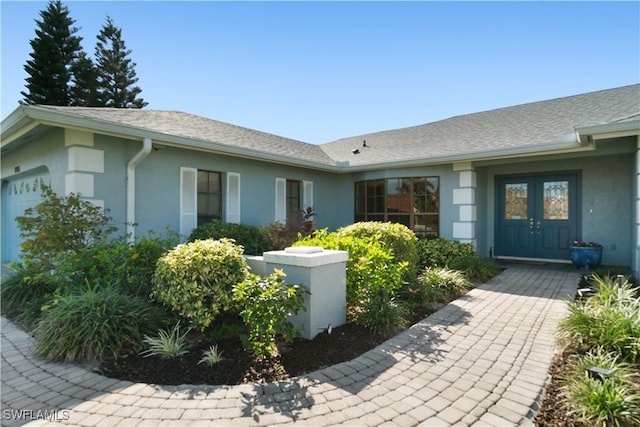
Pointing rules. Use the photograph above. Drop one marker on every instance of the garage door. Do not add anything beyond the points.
(19, 194)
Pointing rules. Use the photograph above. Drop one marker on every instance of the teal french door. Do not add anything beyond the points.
(537, 215)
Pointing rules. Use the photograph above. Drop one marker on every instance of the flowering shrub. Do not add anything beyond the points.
(581, 244)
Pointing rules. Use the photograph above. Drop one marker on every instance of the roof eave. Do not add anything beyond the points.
(611, 130)
(204, 145)
(15, 125)
(27, 117)
(499, 154)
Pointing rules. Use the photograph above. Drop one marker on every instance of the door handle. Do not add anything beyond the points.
(531, 225)
(538, 227)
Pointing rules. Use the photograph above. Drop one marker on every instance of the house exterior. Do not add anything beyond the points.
(517, 182)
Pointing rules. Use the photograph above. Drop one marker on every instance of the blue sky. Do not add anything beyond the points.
(320, 71)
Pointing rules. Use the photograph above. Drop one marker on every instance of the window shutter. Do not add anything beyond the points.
(281, 200)
(233, 197)
(307, 194)
(188, 200)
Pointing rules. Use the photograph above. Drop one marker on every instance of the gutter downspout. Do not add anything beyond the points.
(131, 187)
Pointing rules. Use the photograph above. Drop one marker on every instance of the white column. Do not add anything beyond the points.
(324, 273)
(83, 162)
(464, 197)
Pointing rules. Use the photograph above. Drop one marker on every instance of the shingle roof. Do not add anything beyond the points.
(519, 127)
(526, 127)
(176, 123)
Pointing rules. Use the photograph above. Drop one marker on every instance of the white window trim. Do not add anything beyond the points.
(307, 194)
(232, 213)
(188, 201)
(281, 200)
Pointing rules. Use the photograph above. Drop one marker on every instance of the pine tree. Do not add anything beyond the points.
(84, 91)
(55, 48)
(116, 74)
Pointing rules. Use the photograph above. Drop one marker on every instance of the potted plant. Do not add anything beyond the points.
(585, 255)
(307, 218)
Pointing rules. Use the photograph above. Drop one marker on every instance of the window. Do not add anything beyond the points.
(209, 196)
(291, 197)
(414, 202)
(293, 200)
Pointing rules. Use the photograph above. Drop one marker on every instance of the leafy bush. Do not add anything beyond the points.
(439, 285)
(267, 303)
(25, 292)
(610, 319)
(441, 252)
(196, 279)
(89, 325)
(475, 267)
(252, 239)
(280, 236)
(128, 266)
(59, 225)
(612, 400)
(398, 237)
(370, 267)
(167, 345)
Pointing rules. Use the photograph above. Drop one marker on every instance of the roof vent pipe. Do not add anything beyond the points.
(131, 187)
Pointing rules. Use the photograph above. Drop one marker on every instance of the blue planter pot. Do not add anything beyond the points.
(585, 258)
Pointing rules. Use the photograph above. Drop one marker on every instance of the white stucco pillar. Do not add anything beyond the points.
(83, 163)
(464, 197)
(323, 272)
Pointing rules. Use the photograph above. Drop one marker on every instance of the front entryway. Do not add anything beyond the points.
(537, 215)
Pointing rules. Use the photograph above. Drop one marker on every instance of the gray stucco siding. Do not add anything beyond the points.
(607, 206)
(48, 151)
(158, 188)
(111, 185)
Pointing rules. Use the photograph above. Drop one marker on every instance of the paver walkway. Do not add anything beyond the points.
(481, 360)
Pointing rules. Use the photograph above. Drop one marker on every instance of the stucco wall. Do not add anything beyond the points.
(47, 151)
(158, 192)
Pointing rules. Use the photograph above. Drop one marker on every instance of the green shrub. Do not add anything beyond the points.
(370, 267)
(612, 400)
(382, 314)
(25, 292)
(59, 225)
(129, 266)
(610, 319)
(267, 303)
(439, 285)
(90, 325)
(398, 237)
(280, 236)
(475, 267)
(167, 345)
(252, 239)
(441, 251)
(196, 279)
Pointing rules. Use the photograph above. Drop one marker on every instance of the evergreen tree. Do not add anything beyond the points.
(55, 48)
(116, 74)
(84, 91)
